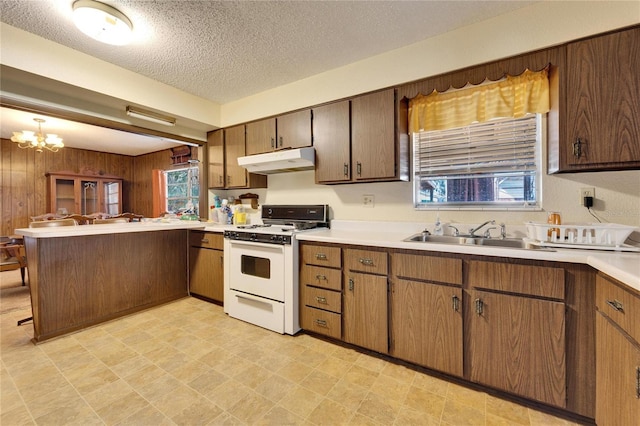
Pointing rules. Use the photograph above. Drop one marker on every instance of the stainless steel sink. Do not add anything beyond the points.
(475, 241)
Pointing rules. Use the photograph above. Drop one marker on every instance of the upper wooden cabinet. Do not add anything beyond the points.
(215, 144)
(600, 129)
(361, 140)
(291, 130)
(77, 193)
(332, 142)
(224, 148)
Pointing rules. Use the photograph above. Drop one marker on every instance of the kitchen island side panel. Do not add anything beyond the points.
(79, 281)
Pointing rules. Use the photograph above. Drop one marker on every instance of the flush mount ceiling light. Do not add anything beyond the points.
(150, 116)
(29, 139)
(102, 22)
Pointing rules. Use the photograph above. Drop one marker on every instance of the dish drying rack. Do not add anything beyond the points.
(600, 236)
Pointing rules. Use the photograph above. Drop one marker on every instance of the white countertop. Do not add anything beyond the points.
(622, 266)
(109, 228)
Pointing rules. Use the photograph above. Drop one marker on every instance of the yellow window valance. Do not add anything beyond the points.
(514, 96)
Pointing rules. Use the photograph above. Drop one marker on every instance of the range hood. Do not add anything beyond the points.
(288, 160)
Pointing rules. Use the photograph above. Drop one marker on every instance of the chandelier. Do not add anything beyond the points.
(29, 139)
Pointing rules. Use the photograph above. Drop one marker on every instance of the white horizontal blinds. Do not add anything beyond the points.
(505, 147)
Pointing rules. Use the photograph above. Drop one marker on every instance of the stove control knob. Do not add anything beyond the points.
(253, 237)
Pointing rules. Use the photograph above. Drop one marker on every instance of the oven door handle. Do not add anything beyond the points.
(235, 244)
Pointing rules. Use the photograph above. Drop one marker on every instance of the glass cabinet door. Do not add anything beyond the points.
(111, 194)
(89, 197)
(65, 196)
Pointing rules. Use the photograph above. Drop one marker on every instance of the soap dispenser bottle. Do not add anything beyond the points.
(437, 229)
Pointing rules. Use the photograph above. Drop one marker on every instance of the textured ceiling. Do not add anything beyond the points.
(227, 50)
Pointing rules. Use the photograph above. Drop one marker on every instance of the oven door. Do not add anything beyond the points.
(257, 268)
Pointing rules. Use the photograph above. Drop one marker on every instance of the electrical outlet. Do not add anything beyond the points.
(368, 200)
(587, 192)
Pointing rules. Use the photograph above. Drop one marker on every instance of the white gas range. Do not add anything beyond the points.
(261, 266)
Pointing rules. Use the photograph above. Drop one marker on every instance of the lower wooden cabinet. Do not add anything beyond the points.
(206, 265)
(365, 311)
(517, 344)
(617, 354)
(426, 325)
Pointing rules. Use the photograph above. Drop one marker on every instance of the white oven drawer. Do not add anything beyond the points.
(261, 312)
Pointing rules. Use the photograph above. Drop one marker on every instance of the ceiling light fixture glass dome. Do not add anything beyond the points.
(102, 22)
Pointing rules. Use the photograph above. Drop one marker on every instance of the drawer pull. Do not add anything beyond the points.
(321, 277)
(321, 299)
(321, 323)
(204, 241)
(615, 304)
(456, 303)
(479, 306)
(351, 284)
(321, 256)
(366, 262)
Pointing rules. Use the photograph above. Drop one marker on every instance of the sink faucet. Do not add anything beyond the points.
(473, 230)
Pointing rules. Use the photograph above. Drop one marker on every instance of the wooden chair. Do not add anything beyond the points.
(99, 215)
(80, 219)
(131, 216)
(53, 222)
(46, 216)
(111, 220)
(47, 224)
(12, 255)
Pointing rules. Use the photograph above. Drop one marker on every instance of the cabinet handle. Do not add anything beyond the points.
(359, 168)
(229, 179)
(346, 169)
(366, 262)
(577, 148)
(321, 277)
(350, 284)
(281, 142)
(479, 306)
(456, 303)
(220, 179)
(321, 299)
(638, 382)
(204, 241)
(273, 142)
(616, 304)
(321, 256)
(321, 323)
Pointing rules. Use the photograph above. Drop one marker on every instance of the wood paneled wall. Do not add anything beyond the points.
(24, 185)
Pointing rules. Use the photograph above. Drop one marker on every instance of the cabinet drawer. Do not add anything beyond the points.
(321, 277)
(321, 256)
(620, 305)
(428, 268)
(524, 279)
(372, 262)
(323, 299)
(212, 240)
(322, 322)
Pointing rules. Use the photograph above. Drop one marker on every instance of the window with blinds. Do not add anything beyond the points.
(491, 164)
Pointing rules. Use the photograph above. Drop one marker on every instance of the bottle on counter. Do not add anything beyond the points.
(227, 214)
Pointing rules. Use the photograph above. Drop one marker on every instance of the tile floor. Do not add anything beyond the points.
(187, 363)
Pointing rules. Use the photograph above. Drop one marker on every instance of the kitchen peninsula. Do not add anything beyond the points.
(84, 275)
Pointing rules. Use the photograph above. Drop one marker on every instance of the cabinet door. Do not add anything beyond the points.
(215, 144)
(234, 140)
(89, 196)
(364, 311)
(426, 325)
(518, 344)
(332, 142)
(294, 130)
(111, 196)
(617, 376)
(63, 196)
(206, 269)
(603, 101)
(373, 143)
(261, 136)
